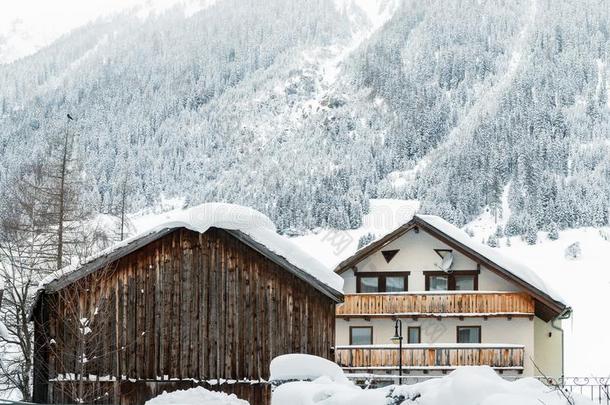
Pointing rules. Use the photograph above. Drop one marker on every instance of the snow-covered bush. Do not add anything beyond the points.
(573, 251)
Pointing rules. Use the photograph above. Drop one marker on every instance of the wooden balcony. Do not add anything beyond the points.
(436, 304)
(430, 356)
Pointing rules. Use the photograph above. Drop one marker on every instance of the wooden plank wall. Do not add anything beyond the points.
(187, 306)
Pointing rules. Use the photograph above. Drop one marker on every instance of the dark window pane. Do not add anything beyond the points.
(439, 283)
(463, 283)
(414, 335)
(369, 284)
(362, 336)
(468, 335)
(395, 284)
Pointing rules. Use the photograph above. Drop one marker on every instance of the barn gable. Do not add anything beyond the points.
(176, 305)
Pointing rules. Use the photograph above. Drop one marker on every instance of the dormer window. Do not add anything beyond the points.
(455, 281)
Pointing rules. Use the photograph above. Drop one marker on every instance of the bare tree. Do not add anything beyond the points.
(43, 223)
(80, 353)
(122, 191)
(121, 207)
(61, 190)
(26, 253)
(555, 385)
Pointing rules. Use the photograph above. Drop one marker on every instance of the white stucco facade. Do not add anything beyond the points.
(416, 255)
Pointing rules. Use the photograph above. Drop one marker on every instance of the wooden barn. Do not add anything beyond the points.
(208, 300)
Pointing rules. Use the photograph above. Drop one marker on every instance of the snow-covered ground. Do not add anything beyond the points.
(321, 382)
(196, 396)
(465, 386)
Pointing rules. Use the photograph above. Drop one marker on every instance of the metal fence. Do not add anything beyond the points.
(596, 389)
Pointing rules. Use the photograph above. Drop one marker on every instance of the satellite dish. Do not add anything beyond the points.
(447, 262)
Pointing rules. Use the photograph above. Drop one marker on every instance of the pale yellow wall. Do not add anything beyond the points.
(548, 348)
(416, 254)
(493, 330)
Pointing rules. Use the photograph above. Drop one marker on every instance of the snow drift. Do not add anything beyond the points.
(464, 386)
(305, 367)
(196, 396)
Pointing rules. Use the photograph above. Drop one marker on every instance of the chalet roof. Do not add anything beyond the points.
(248, 225)
(549, 302)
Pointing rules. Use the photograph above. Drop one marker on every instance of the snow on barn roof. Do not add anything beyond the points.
(493, 258)
(248, 224)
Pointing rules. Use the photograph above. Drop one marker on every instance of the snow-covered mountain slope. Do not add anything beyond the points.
(306, 110)
(332, 246)
(583, 281)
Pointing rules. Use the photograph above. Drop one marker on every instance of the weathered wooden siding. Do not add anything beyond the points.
(187, 306)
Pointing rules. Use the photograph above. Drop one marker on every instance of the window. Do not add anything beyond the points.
(361, 335)
(438, 283)
(464, 283)
(369, 284)
(469, 334)
(414, 334)
(457, 281)
(395, 281)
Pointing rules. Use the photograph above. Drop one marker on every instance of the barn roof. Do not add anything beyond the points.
(246, 224)
(549, 302)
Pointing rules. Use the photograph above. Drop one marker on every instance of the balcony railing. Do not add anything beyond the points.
(436, 304)
(430, 356)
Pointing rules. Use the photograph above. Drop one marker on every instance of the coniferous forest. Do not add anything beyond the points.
(305, 110)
